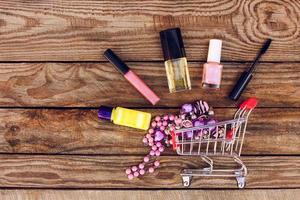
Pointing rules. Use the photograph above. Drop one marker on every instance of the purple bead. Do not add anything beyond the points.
(189, 134)
(158, 144)
(186, 108)
(200, 107)
(212, 122)
(156, 163)
(159, 136)
(142, 172)
(199, 122)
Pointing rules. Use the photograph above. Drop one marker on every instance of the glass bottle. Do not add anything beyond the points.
(175, 60)
(125, 117)
(212, 70)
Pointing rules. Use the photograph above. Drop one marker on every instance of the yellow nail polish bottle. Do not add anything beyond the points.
(175, 60)
(125, 117)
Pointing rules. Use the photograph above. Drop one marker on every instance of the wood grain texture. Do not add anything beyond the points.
(74, 32)
(279, 194)
(270, 131)
(87, 84)
(108, 172)
(81, 30)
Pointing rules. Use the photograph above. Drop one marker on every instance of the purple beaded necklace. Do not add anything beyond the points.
(159, 135)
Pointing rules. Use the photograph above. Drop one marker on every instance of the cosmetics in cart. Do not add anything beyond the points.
(131, 77)
(175, 60)
(125, 117)
(212, 70)
(247, 75)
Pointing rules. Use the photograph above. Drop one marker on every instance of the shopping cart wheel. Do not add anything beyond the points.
(241, 181)
(186, 181)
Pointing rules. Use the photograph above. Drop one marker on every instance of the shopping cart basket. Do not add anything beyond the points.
(224, 139)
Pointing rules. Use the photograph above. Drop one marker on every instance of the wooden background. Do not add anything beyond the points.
(53, 77)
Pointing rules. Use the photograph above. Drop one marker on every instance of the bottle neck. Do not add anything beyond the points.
(113, 114)
(175, 59)
(213, 62)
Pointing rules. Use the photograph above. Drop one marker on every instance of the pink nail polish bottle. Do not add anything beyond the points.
(212, 70)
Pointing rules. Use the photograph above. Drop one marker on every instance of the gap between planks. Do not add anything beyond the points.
(77, 30)
(90, 85)
(52, 131)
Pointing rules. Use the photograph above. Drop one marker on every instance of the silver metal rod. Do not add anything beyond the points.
(244, 131)
(217, 135)
(208, 126)
(224, 139)
(191, 142)
(208, 141)
(200, 141)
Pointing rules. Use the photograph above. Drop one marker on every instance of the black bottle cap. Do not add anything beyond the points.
(116, 61)
(172, 44)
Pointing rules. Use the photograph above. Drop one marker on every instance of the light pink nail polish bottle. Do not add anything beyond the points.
(212, 70)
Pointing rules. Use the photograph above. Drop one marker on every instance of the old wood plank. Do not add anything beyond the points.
(81, 30)
(40, 171)
(88, 84)
(270, 131)
(278, 194)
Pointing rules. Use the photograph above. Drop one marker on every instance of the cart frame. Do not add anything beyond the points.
(201, 142)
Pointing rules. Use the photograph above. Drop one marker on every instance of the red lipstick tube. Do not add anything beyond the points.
(131, 77)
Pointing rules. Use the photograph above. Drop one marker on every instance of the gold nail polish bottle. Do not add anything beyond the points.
(175, 60)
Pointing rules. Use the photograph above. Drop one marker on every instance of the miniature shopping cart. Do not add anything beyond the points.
(224, 139)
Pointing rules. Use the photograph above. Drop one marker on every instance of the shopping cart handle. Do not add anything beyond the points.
(173, 140)
(249, 103)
